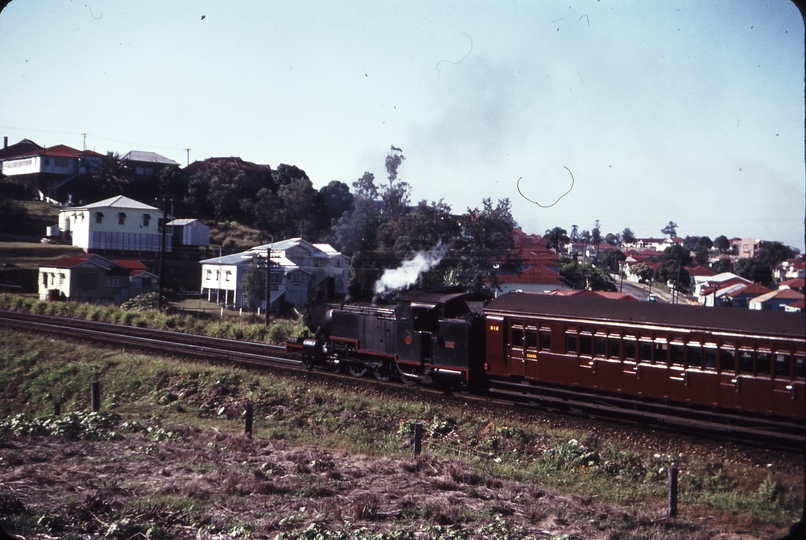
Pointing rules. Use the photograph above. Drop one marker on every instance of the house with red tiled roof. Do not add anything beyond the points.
(52, 172)
(96, 279)
(796, 284)
(23, 147)
(790, 269)
(796, 306)
(739, 296)
(711, 291)
(776, 300)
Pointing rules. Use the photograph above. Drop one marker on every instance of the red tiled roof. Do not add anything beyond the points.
(754, 289)
(793, 283)
(594, 294)
(700, 271)
(536, 274)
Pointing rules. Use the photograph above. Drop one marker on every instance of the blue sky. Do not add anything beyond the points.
(691, 111)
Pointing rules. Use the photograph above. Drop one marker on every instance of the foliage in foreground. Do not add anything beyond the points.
(147, 394)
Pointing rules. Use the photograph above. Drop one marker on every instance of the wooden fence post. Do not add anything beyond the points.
(95, 396)
(418, 439)
(248, 422)
(57, 408)
(673, 491)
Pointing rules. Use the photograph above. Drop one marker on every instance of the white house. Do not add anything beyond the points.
(299, 272)
(51, 170)
(115, 224)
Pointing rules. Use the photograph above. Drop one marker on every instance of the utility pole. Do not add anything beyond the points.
(162, 250)
(188, 153)
(85, 141)
(268, 281)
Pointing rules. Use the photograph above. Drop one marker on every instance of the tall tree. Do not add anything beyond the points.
(754, 269)
(573, 236)
(670, 229)
(722, 243)
(223, 180)
(299, 208)
(337, 199)
(485, 245)
(676, 253)
(556, 238)
(627, 235)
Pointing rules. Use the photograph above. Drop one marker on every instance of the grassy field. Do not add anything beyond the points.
(485, 468)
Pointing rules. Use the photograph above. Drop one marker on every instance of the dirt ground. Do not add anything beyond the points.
(207, 484)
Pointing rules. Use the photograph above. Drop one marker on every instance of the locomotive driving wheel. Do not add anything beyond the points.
(356, 370)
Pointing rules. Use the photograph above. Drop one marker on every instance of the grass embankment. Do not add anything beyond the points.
(165, 407)
(143, 317)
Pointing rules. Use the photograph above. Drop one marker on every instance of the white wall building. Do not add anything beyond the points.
(116, 224)
(300, 270)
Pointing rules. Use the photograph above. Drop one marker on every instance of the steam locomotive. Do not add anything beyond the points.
(714, 358)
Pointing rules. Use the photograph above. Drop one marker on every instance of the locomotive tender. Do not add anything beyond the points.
(710, 358)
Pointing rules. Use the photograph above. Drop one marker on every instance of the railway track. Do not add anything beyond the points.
(769, 432)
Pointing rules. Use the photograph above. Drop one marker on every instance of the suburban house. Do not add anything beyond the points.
(52, 171)
(653, 244)
(710, 292)
(93, 278)
(540, 271)
(141, 169)
(299, 271)
(776, 300)
(117, 224)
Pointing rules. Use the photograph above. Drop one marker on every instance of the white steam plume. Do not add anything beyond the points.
(407, 273)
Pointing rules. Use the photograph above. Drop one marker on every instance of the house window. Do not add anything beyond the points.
(209, 274)
(99, 217)
(61, 162)
(146, 220)
(227, 275)
(44, 279)
(297, 278)
(145, 283)
(121, 218)
(116, 282)
(61, 279)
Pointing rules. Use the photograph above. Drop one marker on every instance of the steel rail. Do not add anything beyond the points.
(753, 430)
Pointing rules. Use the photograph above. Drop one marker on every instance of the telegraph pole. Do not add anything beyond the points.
(188, 153)
(162, 250)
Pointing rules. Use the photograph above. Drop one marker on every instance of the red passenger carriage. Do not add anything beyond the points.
(723, 358)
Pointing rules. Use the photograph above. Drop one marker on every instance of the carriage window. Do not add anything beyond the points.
(571, 342)
(799, 367)
(745, 361)
(661, 352)
(694, 355)
(614, 347)
(763, 363)
(601, 345)
(676, 354)
(531, 339)
(545, 339)
(629, 348)
(517, 337)
(783, 365)
(728, 360)
(585, 344)
(646, 351)
(710, 357)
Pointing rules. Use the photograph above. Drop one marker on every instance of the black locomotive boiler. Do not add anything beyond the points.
(423, 336)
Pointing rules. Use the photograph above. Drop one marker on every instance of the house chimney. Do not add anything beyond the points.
(5, 141)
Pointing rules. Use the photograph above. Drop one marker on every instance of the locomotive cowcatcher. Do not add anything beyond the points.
(424, 336)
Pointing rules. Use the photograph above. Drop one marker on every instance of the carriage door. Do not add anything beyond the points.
(516, 347)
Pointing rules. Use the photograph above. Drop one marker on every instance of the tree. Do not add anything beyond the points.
(721, 265)
(722, 243)
(555, 238)
(485, 245)
(337, 199)
(671, 271)
(612, 239)
(774, 253)
(610, 259)
(574, 235)
(172, 182)
(670, 229)
(395, 195)
(753, 269)
(596, 235)
(428, 226)
(108, 179)
(643, 271)
(586, 276)
(627, 236)
(254, 286)
(676, 253)
(299, 208)
(223, 180)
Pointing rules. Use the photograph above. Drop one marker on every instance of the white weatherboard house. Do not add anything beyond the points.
(299, 272)
(115, 224)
